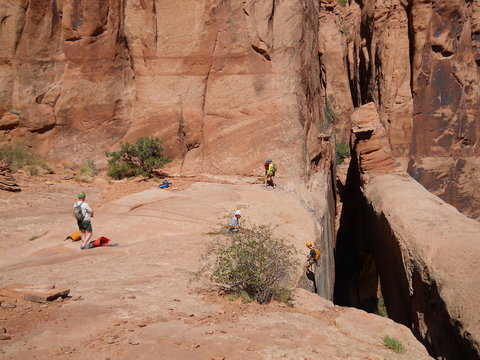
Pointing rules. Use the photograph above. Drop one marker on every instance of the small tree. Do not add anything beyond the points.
(141, 158)
(252, 261)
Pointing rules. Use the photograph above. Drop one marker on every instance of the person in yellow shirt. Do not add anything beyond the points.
(270, 169)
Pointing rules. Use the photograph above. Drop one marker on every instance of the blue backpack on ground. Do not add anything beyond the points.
(165, 184)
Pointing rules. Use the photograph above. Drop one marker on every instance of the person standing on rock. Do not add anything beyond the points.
(83, 213)
(312, 258)
(234, 223)
(270, 169)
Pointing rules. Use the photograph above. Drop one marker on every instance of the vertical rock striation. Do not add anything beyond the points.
(445, 86)
(225, 84)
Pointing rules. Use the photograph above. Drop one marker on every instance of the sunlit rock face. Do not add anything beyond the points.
(225, 84)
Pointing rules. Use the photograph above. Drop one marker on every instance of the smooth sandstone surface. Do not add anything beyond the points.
(223, 83)
(137, 300)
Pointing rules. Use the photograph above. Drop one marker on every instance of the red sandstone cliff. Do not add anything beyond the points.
(213, 78)
(225, 84)
(418, 61)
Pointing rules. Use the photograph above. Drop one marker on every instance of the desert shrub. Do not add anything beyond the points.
(284, 295)
(18, 155)
(253, 262)
(393, 344)
(342, 2)
(381, 308)
(342, 151)
(87, 171)
(141, 158)
(121, 170)
(89, 168)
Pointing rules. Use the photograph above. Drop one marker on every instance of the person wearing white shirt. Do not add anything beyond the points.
(85, 225)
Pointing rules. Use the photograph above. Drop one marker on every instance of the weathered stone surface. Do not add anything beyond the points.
(382, 70)
(44, 296)
(7, 181)
(418, 61)
(8, 305)
(167, 224)
(424, 250)
(333, 36)
(371, 141)
(429, 271)
(9, 121)
(35, 293)
(205, 76)
(445, 84)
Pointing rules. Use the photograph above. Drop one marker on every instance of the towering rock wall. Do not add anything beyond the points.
(418, 61)
(224, 83)
(445, 86)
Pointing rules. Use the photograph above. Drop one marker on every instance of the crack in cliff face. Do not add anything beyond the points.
(262, 52)
(205, 90)
(370, 260)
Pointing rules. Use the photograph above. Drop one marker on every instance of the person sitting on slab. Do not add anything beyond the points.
(234, 223)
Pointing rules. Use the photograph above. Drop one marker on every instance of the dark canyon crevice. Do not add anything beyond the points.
(370, 262)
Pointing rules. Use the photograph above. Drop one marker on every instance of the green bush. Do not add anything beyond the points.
(342, 151)
(393, 344)
(253, 262)
(121, 170)
(381, 308)
(342, 2)
(141, 158)
(18, 155)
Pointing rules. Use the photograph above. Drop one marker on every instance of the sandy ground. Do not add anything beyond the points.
(138, 301)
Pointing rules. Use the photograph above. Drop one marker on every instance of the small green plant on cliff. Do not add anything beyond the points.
(342, 151)
(393, 344)
(381, 308)
(141, 158)
(18, 155)
(252, 262)
(329, 114)
(342, 2)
